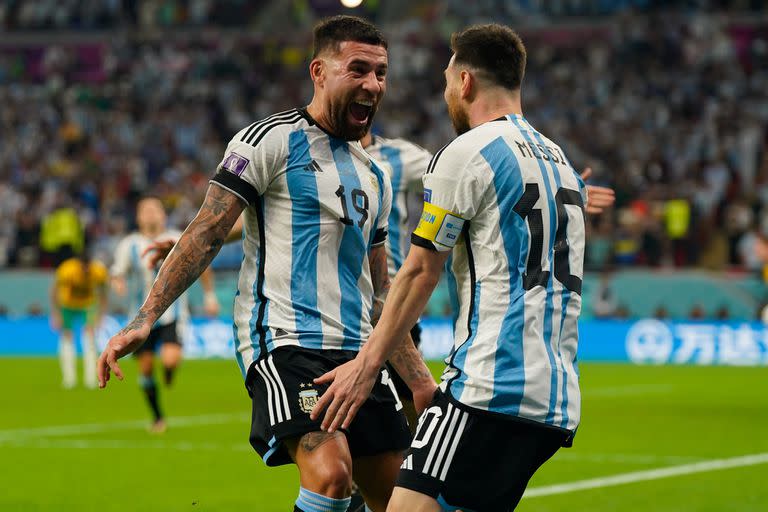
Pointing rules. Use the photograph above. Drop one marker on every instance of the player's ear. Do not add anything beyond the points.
(317, 71)
(468, 85)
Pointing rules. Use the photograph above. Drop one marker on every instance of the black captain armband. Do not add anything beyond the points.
(379, 237)
(237, 186)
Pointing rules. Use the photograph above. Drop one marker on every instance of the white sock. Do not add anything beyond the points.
(67, 361)
(89, 360)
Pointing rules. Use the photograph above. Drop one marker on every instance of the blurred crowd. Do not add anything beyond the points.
(669, 107)
(108, 14)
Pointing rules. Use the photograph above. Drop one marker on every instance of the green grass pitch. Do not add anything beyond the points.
(89, 450)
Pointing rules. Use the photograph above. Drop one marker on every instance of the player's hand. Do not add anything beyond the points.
(157, 252)
(121, 344)
(211, 304)
(598, 198)
(423, 396)
(350, 385)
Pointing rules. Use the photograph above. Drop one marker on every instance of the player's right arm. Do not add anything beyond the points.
(242, 176)
(158, 251)
(197, 246)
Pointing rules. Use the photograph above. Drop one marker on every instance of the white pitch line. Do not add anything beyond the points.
(93, 428)
(653, 474)
(628, 458)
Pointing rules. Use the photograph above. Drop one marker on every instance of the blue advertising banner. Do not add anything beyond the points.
(648, 341)
(645, 341)
(202, 338)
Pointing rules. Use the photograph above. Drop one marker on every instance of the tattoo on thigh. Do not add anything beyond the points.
(311, 441)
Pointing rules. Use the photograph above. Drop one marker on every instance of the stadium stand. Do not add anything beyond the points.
(91, 120)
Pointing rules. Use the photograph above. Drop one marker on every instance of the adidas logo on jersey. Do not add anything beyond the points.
(313, 167)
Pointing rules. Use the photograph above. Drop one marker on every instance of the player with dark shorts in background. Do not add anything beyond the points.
(133, 276)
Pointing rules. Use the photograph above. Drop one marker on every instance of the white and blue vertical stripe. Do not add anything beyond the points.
(305, 279)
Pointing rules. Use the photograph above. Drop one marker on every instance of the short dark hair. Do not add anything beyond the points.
(333, 31)
(494, 50)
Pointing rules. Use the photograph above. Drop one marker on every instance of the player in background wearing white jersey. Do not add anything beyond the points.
(131, 274)
(316, 210)
(506, 203)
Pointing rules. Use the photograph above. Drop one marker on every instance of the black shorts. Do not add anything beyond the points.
(402, 388)
(474, 460)
(283, 394)
(158, 336)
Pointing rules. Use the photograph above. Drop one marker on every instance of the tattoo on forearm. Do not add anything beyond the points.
(408, 362)
(311, 441)
(136, 323)
(194, 251)
(380, 279)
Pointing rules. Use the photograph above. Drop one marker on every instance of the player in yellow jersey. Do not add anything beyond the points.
(78, 297)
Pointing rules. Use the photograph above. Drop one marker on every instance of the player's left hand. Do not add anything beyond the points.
(350, 385)
(598, 198)
(423, 396)
(157, 252)
(121, 344)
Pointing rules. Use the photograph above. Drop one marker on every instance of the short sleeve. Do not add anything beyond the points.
(247, 170)
(453, 190)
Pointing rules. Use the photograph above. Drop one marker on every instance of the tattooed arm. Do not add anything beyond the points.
(197, 246)
(351, 382)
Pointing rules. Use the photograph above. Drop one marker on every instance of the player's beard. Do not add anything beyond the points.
(342, 128)
(459, 117)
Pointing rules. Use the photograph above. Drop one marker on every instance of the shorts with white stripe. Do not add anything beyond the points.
(474, 460)
(283, 393)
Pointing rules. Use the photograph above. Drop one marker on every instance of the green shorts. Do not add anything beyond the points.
(72, 317)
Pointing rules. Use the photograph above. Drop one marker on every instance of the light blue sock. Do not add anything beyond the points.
(309, 501)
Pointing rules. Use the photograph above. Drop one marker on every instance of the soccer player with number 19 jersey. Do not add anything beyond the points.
(504, 201)
(314, 276)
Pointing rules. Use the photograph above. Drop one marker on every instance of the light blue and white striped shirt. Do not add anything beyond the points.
(316, 206)
(508, 203)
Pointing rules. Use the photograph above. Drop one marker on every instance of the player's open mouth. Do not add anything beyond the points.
(359, 111)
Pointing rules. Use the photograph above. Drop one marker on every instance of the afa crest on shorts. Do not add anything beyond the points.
(307, 399)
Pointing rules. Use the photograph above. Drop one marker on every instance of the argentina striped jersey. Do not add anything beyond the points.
(508, 203)
(129, 264)
(405, 163)
(316, 206)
